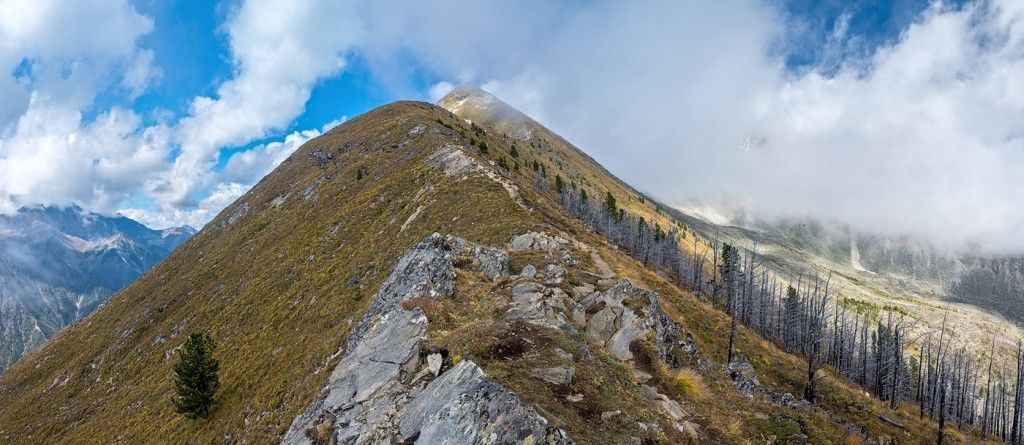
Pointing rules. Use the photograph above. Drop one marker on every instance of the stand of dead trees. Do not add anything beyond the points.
(871, 346)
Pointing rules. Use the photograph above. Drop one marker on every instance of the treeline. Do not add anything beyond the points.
(869, 345)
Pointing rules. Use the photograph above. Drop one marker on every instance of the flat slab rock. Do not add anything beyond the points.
(557, 375)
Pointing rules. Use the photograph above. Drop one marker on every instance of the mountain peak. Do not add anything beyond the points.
(476, 105)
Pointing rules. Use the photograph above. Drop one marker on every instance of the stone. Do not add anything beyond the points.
(494, 263)
(453, 161)
(556, 375)
(743, 376)
(418, 129)
(631, 327)
(579, 315)
(528, 292)
(641, 377)
(534, 303)
(555, 274)
(601, 326)
(529, 271)
(536, 241)
(662, 403)
(689, 429)
(583, 290)
(463, 406)
(426, 270)
(628, 313)
(434, 362)
(563, 354)
(670, 408)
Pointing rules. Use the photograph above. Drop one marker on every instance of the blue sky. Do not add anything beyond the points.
(166, 111)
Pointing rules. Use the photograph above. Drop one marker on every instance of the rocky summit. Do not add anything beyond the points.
(437, 275)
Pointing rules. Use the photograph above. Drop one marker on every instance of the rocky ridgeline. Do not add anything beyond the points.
(387, 389)
(390, 387)
(612, 318)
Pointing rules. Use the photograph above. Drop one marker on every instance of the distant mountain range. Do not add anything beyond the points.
(58, 264)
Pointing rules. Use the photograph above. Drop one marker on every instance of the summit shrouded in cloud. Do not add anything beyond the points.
(902, 119)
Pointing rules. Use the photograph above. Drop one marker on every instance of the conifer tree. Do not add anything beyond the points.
(610, 206)
(195, 376)
(559, 184)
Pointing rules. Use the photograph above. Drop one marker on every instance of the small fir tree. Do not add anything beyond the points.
(610, 205)
(195, 376)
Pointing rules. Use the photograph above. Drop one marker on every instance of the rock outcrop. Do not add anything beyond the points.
(538, 241)
(625, 313)
(381, 391)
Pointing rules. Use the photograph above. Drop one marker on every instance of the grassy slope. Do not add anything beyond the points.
(279, 287)
(781, 371)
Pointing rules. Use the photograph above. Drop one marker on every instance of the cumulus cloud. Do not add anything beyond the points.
(280, 50)
(249, 166)
(60, 56)
(219, 197)
(926, 138)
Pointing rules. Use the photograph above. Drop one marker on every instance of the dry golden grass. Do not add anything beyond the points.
(690, 385)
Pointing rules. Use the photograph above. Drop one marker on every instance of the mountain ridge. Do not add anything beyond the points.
(283, 276)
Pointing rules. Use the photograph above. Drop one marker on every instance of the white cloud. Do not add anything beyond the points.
(249, 166)
(439, 90)
(57, 56)
(688, 101)
(280, 50)
(221, 195)
(52, 158)
(140, 73)
(334, 123)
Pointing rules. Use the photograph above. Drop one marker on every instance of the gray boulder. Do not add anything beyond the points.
(529, 271)
(743, 376)
(494, 263)
(538, 241)
(556, 375)
(463, 406)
